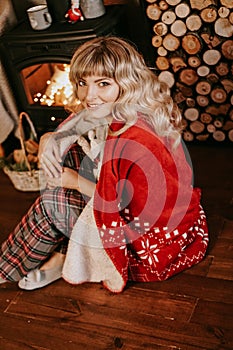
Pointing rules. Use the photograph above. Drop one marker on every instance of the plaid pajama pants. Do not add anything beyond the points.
(47, 225)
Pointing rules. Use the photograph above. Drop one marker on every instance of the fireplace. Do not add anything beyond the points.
(47, 84)
(37, 63)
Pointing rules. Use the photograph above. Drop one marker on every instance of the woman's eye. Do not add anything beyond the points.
(104, 83)
(81, 83)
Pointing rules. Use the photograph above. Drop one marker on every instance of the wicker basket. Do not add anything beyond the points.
(30, 180)
(26, 181)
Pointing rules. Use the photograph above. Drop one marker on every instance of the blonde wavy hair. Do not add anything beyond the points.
(139, 88)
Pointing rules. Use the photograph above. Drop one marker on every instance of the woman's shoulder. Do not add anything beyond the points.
(142, 130)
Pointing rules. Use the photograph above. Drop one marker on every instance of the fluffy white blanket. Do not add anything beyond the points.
(86, 259)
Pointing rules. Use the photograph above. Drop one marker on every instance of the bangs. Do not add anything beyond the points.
(98, 63)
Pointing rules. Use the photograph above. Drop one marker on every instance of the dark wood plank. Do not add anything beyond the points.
(103, 324)
(13, 204)
(196, 286)
(221, 268)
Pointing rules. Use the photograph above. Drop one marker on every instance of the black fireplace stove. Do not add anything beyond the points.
(36, 60)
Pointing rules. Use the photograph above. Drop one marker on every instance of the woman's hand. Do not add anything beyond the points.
(49, 156)
(72, 180)
(68, 179)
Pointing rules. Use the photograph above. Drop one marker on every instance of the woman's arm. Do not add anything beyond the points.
(54, 145)
(72, 180)
(49, 155)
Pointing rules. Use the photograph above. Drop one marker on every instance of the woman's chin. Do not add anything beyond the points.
(100, 111)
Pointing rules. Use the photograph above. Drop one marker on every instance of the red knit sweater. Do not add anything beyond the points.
(148, 214)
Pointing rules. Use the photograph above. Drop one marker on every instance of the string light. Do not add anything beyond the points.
(59, 89)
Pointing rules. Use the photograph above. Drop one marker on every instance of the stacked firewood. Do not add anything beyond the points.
(194, 56)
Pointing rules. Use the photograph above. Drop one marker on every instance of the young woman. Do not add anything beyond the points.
(123, 196)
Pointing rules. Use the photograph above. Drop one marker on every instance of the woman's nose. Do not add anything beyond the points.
(91, 93)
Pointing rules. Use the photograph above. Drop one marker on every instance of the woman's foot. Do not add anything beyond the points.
(48, 273)
(40, 278)
(56, 259)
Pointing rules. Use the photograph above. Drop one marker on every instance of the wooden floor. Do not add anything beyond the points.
(191, 311)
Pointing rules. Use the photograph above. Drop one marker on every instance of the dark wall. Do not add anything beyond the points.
(140, 29)
(20, 7)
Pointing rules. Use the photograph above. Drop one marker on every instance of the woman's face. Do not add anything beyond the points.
(95, 91)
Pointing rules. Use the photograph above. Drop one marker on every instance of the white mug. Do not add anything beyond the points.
(92, 8)
(39, 17)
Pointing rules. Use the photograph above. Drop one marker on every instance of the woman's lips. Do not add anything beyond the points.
(94, 106)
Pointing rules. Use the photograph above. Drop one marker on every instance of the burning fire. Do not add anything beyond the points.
(59, 89)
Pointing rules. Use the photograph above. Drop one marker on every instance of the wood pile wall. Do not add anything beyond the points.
(193, 43)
